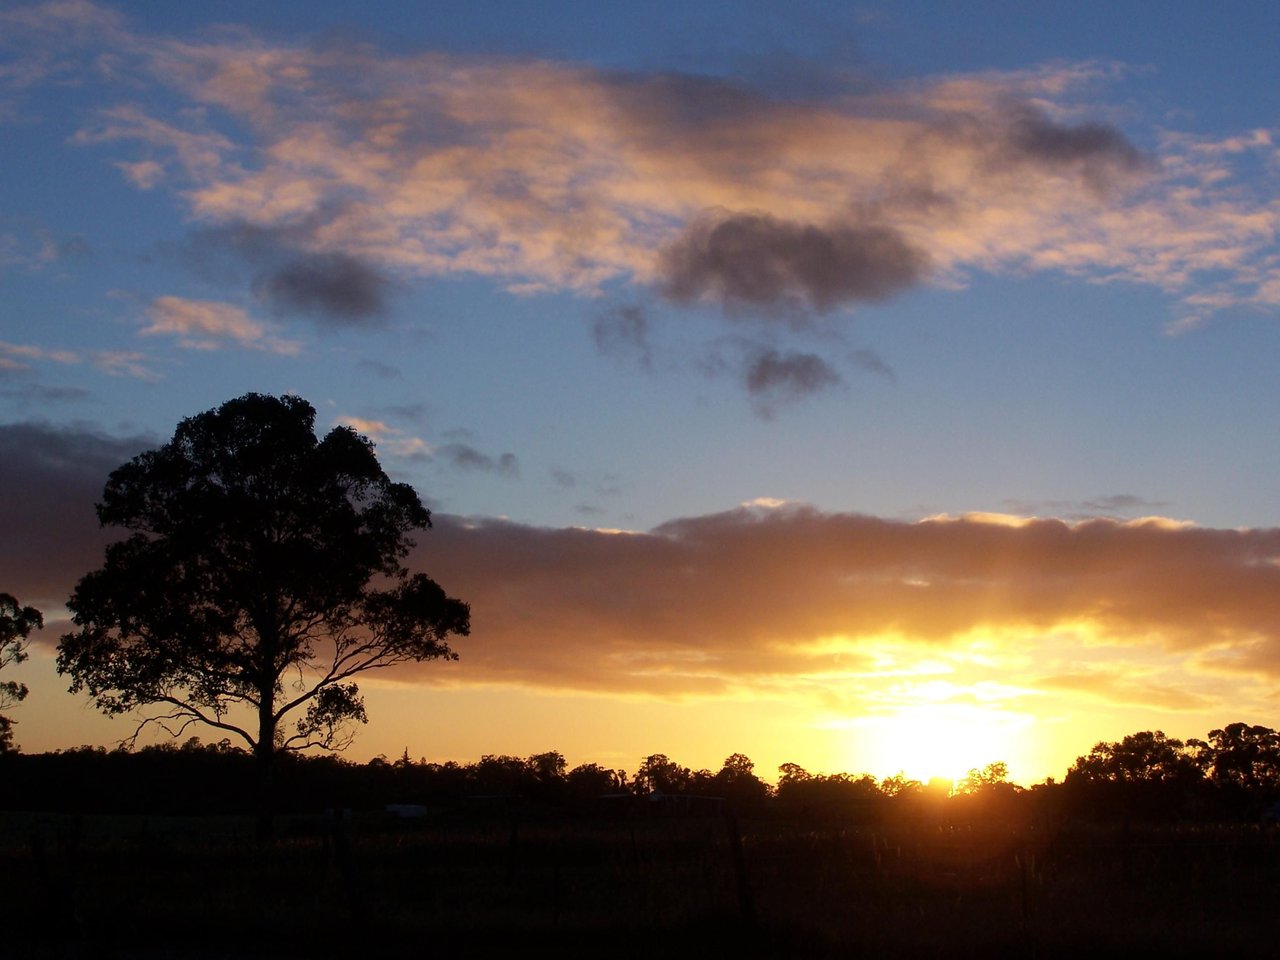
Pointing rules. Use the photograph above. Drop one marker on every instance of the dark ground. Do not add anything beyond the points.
(459, 885)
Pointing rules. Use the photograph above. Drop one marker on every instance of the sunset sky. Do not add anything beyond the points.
(867, 386)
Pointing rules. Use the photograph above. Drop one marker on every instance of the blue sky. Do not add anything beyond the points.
(577, 267)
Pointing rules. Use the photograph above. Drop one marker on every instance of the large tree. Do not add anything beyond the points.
(16, 624)
(263, 570)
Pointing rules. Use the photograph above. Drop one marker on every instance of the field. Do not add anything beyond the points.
(485, 884)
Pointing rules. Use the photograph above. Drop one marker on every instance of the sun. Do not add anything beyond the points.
(939, 740)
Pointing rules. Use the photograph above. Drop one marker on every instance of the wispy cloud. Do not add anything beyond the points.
(388, 438)
(209, 325)
(125, 363)
(549, 175)
(18, 356)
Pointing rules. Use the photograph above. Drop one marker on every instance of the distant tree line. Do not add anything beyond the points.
(1232, 774)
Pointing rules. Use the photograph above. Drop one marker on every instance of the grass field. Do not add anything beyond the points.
(144, 887)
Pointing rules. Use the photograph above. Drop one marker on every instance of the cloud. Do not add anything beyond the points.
(125, 363)
(28, 394)
(33, 249)
(773, 377)
(760, 261)
(1123, 690)
(17, 356)
(1113, 505)
(456, 453)
(557, 176)
(1098, 151)
(333, 287)
(624, 332)
(379, 369)
(772, 596)
(388, 438)
(50, 479)
(144, 174)
(870, 362)
(466, 457)
(209, 324)
(761, 596)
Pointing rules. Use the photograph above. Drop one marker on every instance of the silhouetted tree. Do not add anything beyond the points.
(262, 572)
(16, 624)
(1243, 757)
(657, 772)
(1146, 773)
(1146, 757)
(900, 785)
(590, 780)
(991, 780)
(802, 793)
(500, 776)
(738, 783)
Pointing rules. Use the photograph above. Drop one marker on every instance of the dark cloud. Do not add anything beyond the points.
(869, 361)
(564, 478)
(744, 595)
(624, 332)
(332, 287)
(383, 371)
(50, 479)
(773, 377)
(1035, 136)
(758, 260)
(1123, 503)
(686, 106)
(466, 457)
(28, 393)
(1109, 506)
(73, 247)
(337, 289)
(1098, 151)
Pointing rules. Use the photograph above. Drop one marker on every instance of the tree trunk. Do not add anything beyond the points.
(265, 753)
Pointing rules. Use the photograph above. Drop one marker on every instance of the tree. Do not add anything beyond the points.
(262, 572)
(737, 782)
(1243, 757)
(991, 780)
(660, 774)
(1146, 757)
(1146, 774)
(16, 624)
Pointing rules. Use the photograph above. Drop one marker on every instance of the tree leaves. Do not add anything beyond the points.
(262, 570)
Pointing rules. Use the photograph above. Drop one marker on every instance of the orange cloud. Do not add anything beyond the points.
(550, 175)
(776, 599)
(208, 324)
(758, 597)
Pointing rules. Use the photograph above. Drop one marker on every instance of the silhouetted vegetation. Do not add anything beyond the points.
(1149, 846)
(16, 624)
(261, 573)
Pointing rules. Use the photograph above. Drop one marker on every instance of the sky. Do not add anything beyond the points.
(872, 387)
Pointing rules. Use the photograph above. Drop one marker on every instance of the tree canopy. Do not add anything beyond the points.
(1145, 757)
(262, 571)
(16, 624)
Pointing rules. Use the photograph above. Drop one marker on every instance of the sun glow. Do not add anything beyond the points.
(946, 740)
